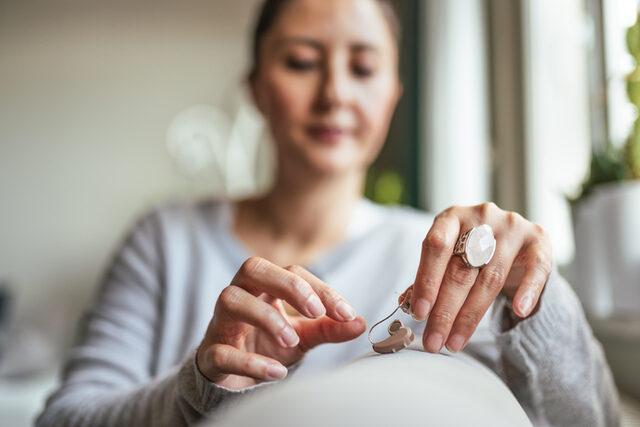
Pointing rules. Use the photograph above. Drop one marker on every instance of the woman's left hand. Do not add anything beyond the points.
(455, 296)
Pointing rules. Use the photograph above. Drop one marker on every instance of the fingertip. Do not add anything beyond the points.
(353, 328)
(361, 323)
(314, 307)
(523, 305)
(456, 343)
(345, 311)
(421, 309)
(276, 371)
(288, 337)
(433, 343)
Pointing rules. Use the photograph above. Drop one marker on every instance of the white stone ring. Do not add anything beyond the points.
(476, 246)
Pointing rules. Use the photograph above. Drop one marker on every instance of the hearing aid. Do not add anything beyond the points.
(400, 336)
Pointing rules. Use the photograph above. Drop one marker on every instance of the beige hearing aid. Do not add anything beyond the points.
(400, 336)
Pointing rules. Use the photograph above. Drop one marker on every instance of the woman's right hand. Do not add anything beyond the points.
(251, 338)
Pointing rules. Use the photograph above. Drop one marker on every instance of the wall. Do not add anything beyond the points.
(87, 89)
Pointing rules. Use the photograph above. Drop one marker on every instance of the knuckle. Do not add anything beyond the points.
(460, 276)
(219, 357)
(486, 209)
(539, 260)
(533, 284)
(425, 288)
(493, 279)
(436, 241)
(542, 265)
(445, 213)
(430, 296)
(296, 269)
(229, 296)
(272, 317)
(330, 296)
(297, 285)
(253, 265)
(246, 365)
(441, 317)
(468, 320)
(513, 218)
(539, 230)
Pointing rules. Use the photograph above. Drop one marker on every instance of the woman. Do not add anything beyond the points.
(196, 308)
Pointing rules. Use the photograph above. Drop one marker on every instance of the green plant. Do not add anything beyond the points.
(607, 165)
(613, 164)
(632, 147)
(385, 186)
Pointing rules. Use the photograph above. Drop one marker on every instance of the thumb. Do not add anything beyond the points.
(313, 332)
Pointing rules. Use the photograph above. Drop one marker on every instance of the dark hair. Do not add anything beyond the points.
(271, 9)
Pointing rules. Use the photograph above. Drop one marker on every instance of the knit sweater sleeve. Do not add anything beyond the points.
(552, 362)
(109, 377)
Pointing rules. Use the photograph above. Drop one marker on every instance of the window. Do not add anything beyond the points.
(556, 113)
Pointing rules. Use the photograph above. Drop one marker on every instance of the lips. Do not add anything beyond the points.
(326, 133)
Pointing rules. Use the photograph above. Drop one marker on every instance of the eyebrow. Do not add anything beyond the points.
(299, 40)
(364, 47)
(358, 46)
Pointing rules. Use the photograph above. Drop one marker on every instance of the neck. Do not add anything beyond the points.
(303, 211)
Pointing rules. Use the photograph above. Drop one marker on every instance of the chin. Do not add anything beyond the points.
(334, 160)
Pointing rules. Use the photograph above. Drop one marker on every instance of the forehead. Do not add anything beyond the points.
(360, 22)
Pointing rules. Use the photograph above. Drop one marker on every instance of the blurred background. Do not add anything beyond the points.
(109, 108)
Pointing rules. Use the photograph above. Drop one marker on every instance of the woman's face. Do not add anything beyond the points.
(327, 83)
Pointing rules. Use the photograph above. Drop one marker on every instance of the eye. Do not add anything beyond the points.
(362, 71)
(297, 64)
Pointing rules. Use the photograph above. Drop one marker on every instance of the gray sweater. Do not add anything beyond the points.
(133, 364)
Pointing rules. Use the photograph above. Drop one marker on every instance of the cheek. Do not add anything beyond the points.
(288, 102)
(377, 104)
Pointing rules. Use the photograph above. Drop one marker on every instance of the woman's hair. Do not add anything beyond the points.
(271, 9)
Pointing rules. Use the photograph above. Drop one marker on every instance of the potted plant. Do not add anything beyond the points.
(606, 218)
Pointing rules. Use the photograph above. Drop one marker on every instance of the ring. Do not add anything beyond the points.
(476, 246)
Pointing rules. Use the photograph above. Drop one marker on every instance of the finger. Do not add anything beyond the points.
(437, 248)
(227, 360)
(537, 268)
(404, 295)
(238, 305)
(456, 284)
(337, 308)
(488, 285)
(326, 330)
(257, 275)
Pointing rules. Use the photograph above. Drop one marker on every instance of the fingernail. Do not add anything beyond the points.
(289, 337)
(314, 306)
(455, 343)
(421, 309)
(434, 343)
(345, 311)
(525, 304)
(276, 372)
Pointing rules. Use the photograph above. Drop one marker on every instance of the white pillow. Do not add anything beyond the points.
(403, 389)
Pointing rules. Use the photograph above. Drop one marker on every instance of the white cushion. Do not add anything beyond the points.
(407, 388)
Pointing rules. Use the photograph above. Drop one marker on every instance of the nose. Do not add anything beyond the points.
(334, 88)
